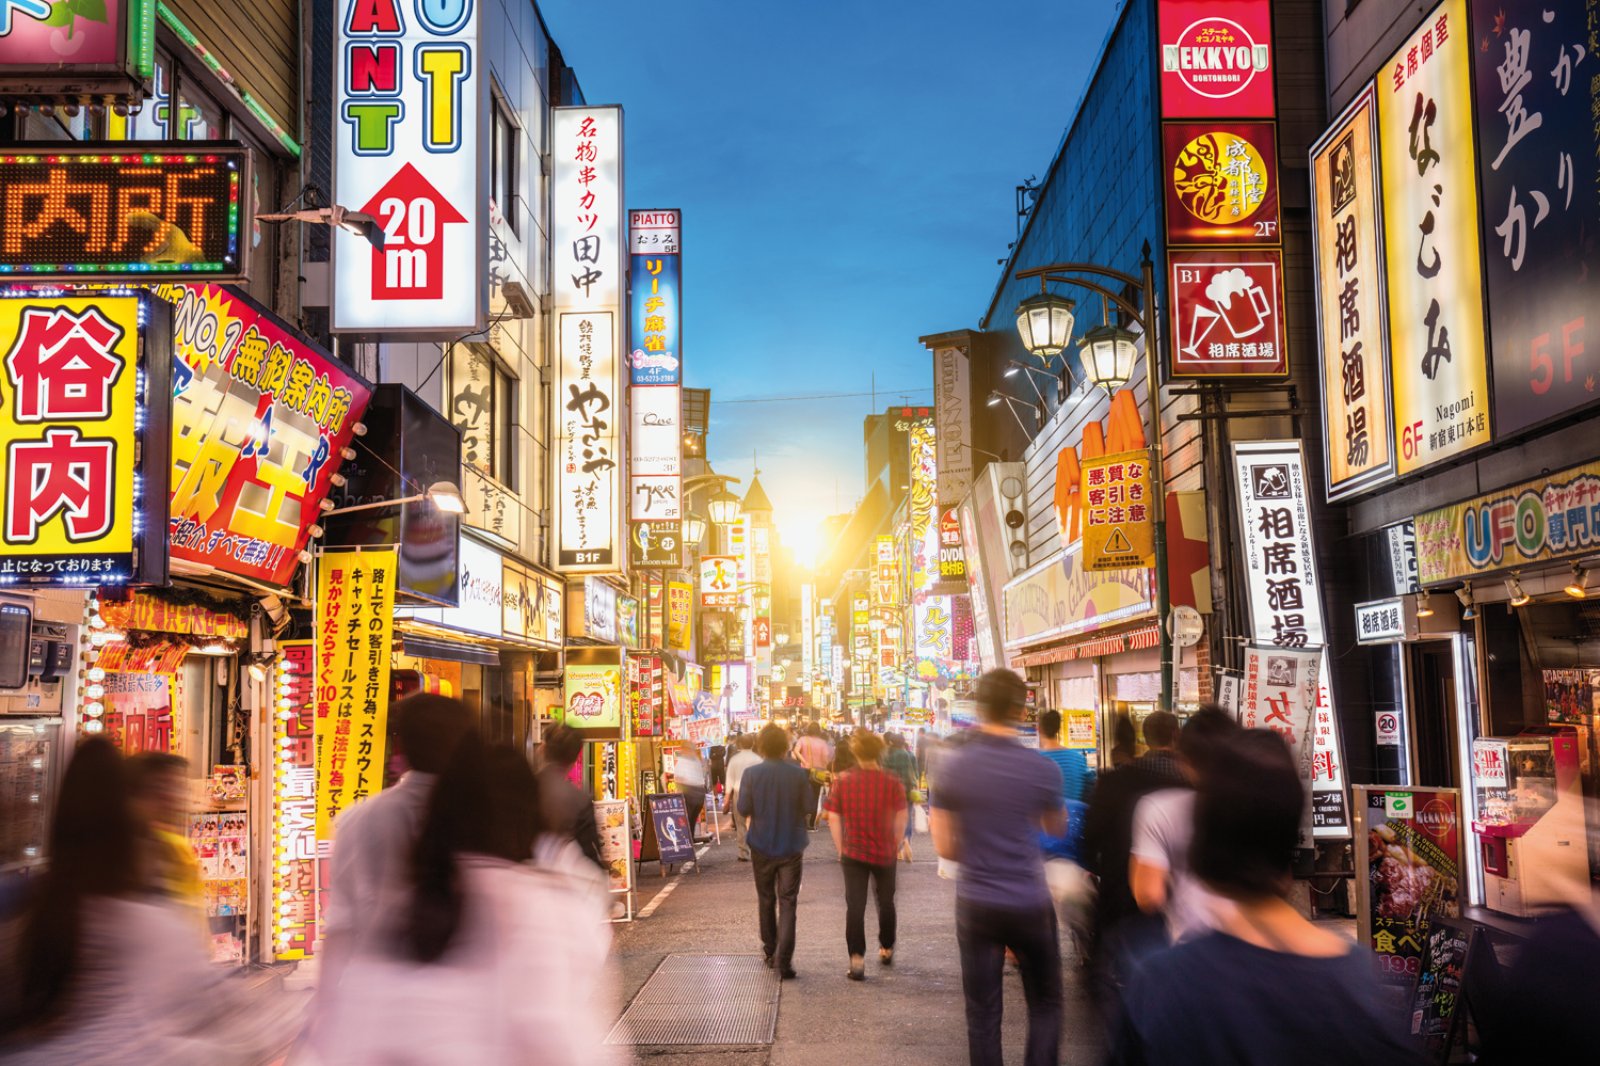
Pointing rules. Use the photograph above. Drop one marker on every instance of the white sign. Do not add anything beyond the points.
(655, 498)
(1386, 726)
(599, 610)
(586, 213)
(588, 514)
(1280, 694)
(952, 418)
(1489, 759)
(411, 88)
(1380, 622)
(1402, 537)
(656, 443)
(482, 594)
(1230, 693)
(1285, 597)
(655, 232)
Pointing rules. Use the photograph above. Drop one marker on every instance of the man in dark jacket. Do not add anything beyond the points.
(567, 810)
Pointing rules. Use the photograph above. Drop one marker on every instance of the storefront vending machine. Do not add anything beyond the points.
(1528, 816)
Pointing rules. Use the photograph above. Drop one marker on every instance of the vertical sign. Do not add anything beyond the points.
(354, 629)
(655, 244)
(655, 369)
(1280, 694)
(1285, 597)
(411, 88)
(294, 807)
(1431, 242)
(1352, 336)
(952, 419)
(587, 257)
(1118, 527)
(680, 606)
(1537, 81)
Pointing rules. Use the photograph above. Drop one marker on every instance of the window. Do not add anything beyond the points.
(483, 401)
(504, 176)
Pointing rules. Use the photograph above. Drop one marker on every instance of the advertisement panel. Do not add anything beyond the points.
(1539, 168)
(613, 820)
(411, 88)
(655, 350)
(680, 604)
(1216, 58)
(1118, 520)
(259, 421)
(656, 545)
(656, 444)
(1058, 598)
(1352, 334)
(588, 511)
(719, 582)
(355, 595)
(593, 696)
(586, 216)
(1280, 694)
(655, 498)
(106, 47)
(83, 431)
(1555, 517)
(1221, 181)
(1431, 243)
(531, 605)
(294, 807)
(952, 420)
(480, 591)
(81, 212)
(1227, 313)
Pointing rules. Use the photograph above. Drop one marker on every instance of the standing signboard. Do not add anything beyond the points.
(669, 818)
(1352, 332)
(611, 818)
(1118, 520)
(411, 86)
(1431, 242)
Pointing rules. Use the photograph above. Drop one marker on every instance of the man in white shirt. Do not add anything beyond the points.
(743, 758)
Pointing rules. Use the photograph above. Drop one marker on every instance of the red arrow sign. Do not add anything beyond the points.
(410, 265)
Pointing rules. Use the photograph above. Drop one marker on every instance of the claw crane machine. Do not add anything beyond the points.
(1529, 819)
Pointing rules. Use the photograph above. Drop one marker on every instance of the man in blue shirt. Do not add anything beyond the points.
(991, 799)
(773, 799)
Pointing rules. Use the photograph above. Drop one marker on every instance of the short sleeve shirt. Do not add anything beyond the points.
(998, 791)
(1163, 827)
(866, 802)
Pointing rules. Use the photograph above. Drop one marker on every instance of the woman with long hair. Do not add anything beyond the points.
(501, 952)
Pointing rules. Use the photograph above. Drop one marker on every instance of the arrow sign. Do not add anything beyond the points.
(413, 214)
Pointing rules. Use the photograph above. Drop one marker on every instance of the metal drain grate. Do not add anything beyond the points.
(703, 999)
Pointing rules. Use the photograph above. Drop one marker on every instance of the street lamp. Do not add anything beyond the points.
(1045, 321)
(694, 528)
(444, 495)
(996, 398)
(724, 508)
(1109, 354)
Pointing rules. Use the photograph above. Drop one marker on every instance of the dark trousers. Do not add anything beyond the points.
(777, 895)
(984, 934)
(856, 875)
(694, 802)
(816, 802)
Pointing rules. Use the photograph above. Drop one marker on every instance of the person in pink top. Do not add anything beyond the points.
(813, 754)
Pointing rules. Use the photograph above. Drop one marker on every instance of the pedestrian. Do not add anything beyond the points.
(1124, 740)
(991, 797)
(923, 740)
(744, 757)
(812, 752)
(1077, 779)
(159, 783)
(567, 809)
(868, 819)
(1163, 830)
(773, 798)
(689, 774)
(499, 955)
(899, 761)
(1237, 996)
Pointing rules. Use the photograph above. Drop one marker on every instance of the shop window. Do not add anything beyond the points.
(505, 173)
(483, 406)
(201, 117)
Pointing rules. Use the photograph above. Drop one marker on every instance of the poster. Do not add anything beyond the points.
(1118, 519)
(1536, 78)
(616, 843)
(1569, 695)
(669, 816)
(140, 711)
(1432, 243)
(680, 600)
(1280, 694)
(1227, 313)
(593, 696)
(354, 640)
(1078, 730)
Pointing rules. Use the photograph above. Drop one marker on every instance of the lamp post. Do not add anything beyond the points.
(1045, 322)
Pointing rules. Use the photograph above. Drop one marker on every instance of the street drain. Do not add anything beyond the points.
(703, 999)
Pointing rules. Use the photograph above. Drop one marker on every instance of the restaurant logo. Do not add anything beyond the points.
(1437, 818)
(1220, 177)
(1215, 57)
(1227, 313)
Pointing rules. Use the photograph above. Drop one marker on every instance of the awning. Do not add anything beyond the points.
(1147, 635)
(449, 651)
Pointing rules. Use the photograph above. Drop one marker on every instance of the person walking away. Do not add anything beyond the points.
(499, 956)
(811, 751)
(1237, 996)
(1119, 930)
(990, 800)
(567, 810)
(689, 774)
(744, 757)
(923, 741)
(1124, 741)
(159, 783)
(899, 761)
(868, 810)
(1071, 887)
(773, 798)
(1163, 830)
(1076, 778)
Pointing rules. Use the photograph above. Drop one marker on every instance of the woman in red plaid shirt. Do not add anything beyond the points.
(869, 812)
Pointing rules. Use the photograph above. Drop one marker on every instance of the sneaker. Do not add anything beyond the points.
(768, 960)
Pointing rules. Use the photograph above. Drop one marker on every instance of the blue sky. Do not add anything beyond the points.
(846, 172)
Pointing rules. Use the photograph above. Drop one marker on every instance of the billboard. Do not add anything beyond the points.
(1221, 181)
(1216, 58)
(587, 453)
(410, 90)
(1555, 517)
(63, 48)
(1227, 313)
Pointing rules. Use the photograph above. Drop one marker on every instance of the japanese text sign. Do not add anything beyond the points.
(294, 805)
(588, 452)
(1119, 519)
(1381, 621)
(656, 545)
(410, 86)
(1552, 518)
(1280, 694)
(655, 346)
(83, 383)
(354, 638)
(1216, 58)
(719, 582)
(1221, 182)
(86, 213)
(586, 217)
(1227, 313)
(260, 419)
(1537, 86)
(680, 601)
(1352, 337)
(593, 696)
(1431, 242)
(1408, 872)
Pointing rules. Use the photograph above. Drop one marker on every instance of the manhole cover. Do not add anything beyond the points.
(703, 999)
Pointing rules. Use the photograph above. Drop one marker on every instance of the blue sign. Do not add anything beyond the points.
(670, 816)
(655, 355)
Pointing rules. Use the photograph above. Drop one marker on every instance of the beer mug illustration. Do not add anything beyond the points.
(1240, 300)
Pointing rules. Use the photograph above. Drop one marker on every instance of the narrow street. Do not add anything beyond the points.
(910, 1013)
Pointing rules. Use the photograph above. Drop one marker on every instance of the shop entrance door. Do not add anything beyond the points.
(1433, 714)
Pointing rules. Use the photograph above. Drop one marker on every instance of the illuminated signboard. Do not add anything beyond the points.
(294, 808)
(83, 429)
(411, 88)
(59, 47)
(1222, 182)
(655, 361)
(260, 419)
(719, 582)
(656, 243)
(140, 212)
(1227, 312)
(593, 696)
(1216, 58)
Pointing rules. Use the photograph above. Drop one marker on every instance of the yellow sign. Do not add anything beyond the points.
(1556, 517)
(1431, 242)
(680, 604)
(1118, 512)
(354, 633)
(1078, 730)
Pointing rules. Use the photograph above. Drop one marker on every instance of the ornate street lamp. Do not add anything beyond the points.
(1108, 357)
(694, 529)
(724, 508)
(1045, 322)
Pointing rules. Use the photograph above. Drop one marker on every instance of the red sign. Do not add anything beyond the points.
(1216, 59)
(1227, 313)
(763, 632)
(1222, 182)
(410, 265)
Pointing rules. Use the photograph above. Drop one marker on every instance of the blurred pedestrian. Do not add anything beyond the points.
(990, 800)
(567, 809)
(500, 952)
(689, 774)
(1124, 741)
(1163, 829)
(744, 757)
(1237, 996)
(868, 808)
(923, 741)
(1076, 777)
(899, 761)
(812, 752)
(773, 798)
(159, 783)
(1536, 1010)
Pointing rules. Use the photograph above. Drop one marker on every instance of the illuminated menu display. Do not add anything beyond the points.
(143, 211)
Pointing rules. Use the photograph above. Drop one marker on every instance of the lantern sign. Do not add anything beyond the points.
(130, 211)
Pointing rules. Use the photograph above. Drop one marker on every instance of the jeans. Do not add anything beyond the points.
(856, 875)
(777, 895)
(984, 933)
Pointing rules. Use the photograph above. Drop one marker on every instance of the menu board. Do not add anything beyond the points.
(616, 843)
(1436, 999)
